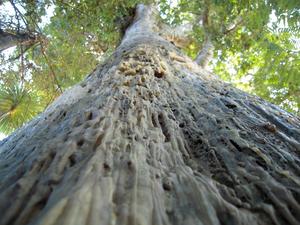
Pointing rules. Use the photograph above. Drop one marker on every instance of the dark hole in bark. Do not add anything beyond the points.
(41, 204)
(235, 145)
(52, 154)
(261, 163)
(158, 74)
(167, 186)
(198, 141)
(89, 115)
(230, 106)
(80, 142)
(130, 164)
(54, 181)
(106, 166)
(72, 159)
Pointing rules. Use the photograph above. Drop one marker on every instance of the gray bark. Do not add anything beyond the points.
(205, 55)
(150, 138)
(8, 40)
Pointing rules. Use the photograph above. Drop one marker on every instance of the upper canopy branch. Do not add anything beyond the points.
(205, 55)
(143, 23)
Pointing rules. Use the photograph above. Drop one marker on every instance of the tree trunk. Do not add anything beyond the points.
(151, 138)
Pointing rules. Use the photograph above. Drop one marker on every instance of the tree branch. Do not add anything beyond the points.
(18, 33)
(22, 70)
(143, 23)
(8, 39)
(17, 13)
(206, 53)
(51, 69)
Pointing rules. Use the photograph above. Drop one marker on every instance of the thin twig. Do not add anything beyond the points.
(22, 64)
(51, 68)
(21, 15)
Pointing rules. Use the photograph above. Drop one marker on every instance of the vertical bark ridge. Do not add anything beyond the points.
(143, 25)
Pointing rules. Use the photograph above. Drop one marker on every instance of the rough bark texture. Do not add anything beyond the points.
(151, 138)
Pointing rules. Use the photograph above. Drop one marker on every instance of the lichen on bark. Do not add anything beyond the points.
(152, 138)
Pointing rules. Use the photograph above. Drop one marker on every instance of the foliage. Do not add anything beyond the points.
(257, 43)
(17, 106)
(256, 47)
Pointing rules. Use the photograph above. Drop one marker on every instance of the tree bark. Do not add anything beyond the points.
(8, 40)
(205, 55)
(151, 138)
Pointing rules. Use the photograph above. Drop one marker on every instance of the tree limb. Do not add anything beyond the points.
(18, 13)
(51, 69)
(8, 39)
(206, 53)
